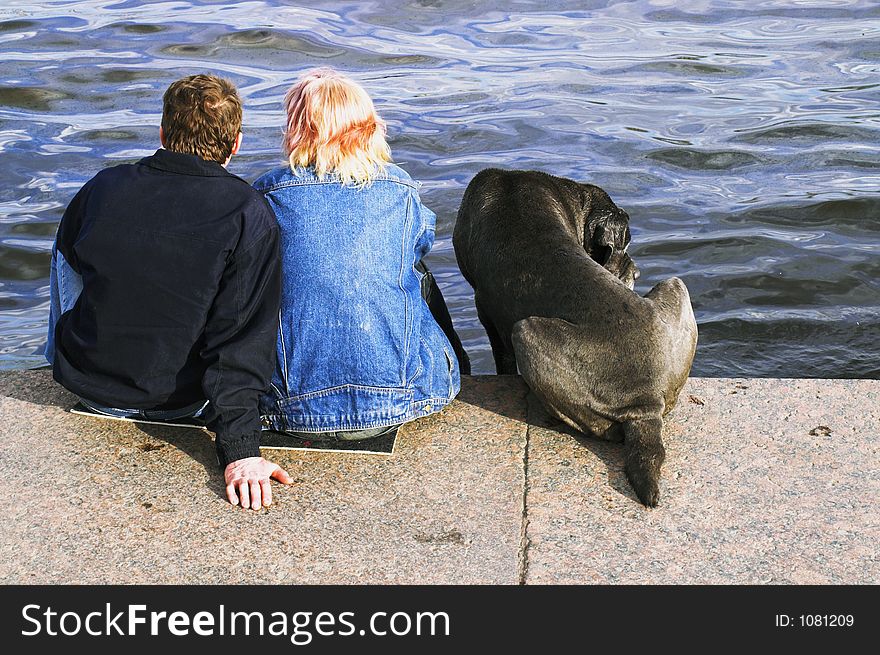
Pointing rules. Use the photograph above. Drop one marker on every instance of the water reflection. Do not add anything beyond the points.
(742, 139)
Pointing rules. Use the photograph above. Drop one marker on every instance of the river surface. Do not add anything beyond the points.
(741, 138)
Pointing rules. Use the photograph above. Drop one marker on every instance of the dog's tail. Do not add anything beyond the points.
(644, 451)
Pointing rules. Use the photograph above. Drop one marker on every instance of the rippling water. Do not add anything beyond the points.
(741, 137)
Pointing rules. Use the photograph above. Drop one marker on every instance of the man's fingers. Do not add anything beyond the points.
(256, 496)
(244, 493)
(231, 495)
(281, 475)
(250, 486)
(266, 488)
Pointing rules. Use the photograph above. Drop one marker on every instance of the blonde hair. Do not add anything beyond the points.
(333, 126)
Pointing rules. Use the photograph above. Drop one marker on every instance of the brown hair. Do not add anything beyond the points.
(201, 115)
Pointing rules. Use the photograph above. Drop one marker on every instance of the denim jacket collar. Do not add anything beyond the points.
(287, 176)
(184, 164)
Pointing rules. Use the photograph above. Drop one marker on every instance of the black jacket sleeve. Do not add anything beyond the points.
(239, 351)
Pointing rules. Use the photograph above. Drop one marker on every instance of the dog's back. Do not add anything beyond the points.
(523, 240)
(600, 357)
(502, 206)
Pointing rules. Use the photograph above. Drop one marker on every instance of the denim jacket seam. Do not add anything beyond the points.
(419, 371)
(433, 400)
(387, 390)
(283, 351)
(413, 412)
(342, 387)
(408, 309)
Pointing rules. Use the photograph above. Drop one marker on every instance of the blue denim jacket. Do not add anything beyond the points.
(357, 346)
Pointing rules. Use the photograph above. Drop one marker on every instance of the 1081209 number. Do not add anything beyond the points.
(826, 620)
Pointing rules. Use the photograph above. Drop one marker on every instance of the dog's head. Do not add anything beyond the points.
(606, 239)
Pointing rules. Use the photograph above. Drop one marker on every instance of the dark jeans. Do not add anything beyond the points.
(345, 435)
(440, 312)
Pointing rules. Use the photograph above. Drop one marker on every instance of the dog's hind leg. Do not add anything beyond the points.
(644, 455)
(679, 340)
(505, 358)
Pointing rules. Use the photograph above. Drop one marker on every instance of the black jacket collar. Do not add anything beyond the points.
(178, 162)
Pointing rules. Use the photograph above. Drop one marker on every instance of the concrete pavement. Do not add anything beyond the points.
(766, 481)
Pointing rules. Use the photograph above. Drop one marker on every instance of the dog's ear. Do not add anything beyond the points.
(606, 232)
(597, 244)
(606, 226)
(606, 237)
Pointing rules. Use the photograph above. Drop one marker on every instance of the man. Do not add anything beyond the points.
(165, 287)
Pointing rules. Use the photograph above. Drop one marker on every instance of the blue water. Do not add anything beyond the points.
(741, 137)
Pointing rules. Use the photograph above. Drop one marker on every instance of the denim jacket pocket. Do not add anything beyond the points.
(450, 367)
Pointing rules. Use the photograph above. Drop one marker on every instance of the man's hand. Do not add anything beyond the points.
(248, 480)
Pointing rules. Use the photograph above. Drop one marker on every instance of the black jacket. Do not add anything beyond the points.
(181, 283)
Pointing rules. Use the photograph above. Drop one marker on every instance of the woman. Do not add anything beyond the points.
(359, 352)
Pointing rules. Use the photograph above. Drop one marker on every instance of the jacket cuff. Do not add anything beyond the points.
(230, 449)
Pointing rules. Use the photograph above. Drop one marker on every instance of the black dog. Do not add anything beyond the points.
(553, 288)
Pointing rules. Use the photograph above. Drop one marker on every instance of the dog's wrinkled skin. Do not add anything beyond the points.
(600, 357)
